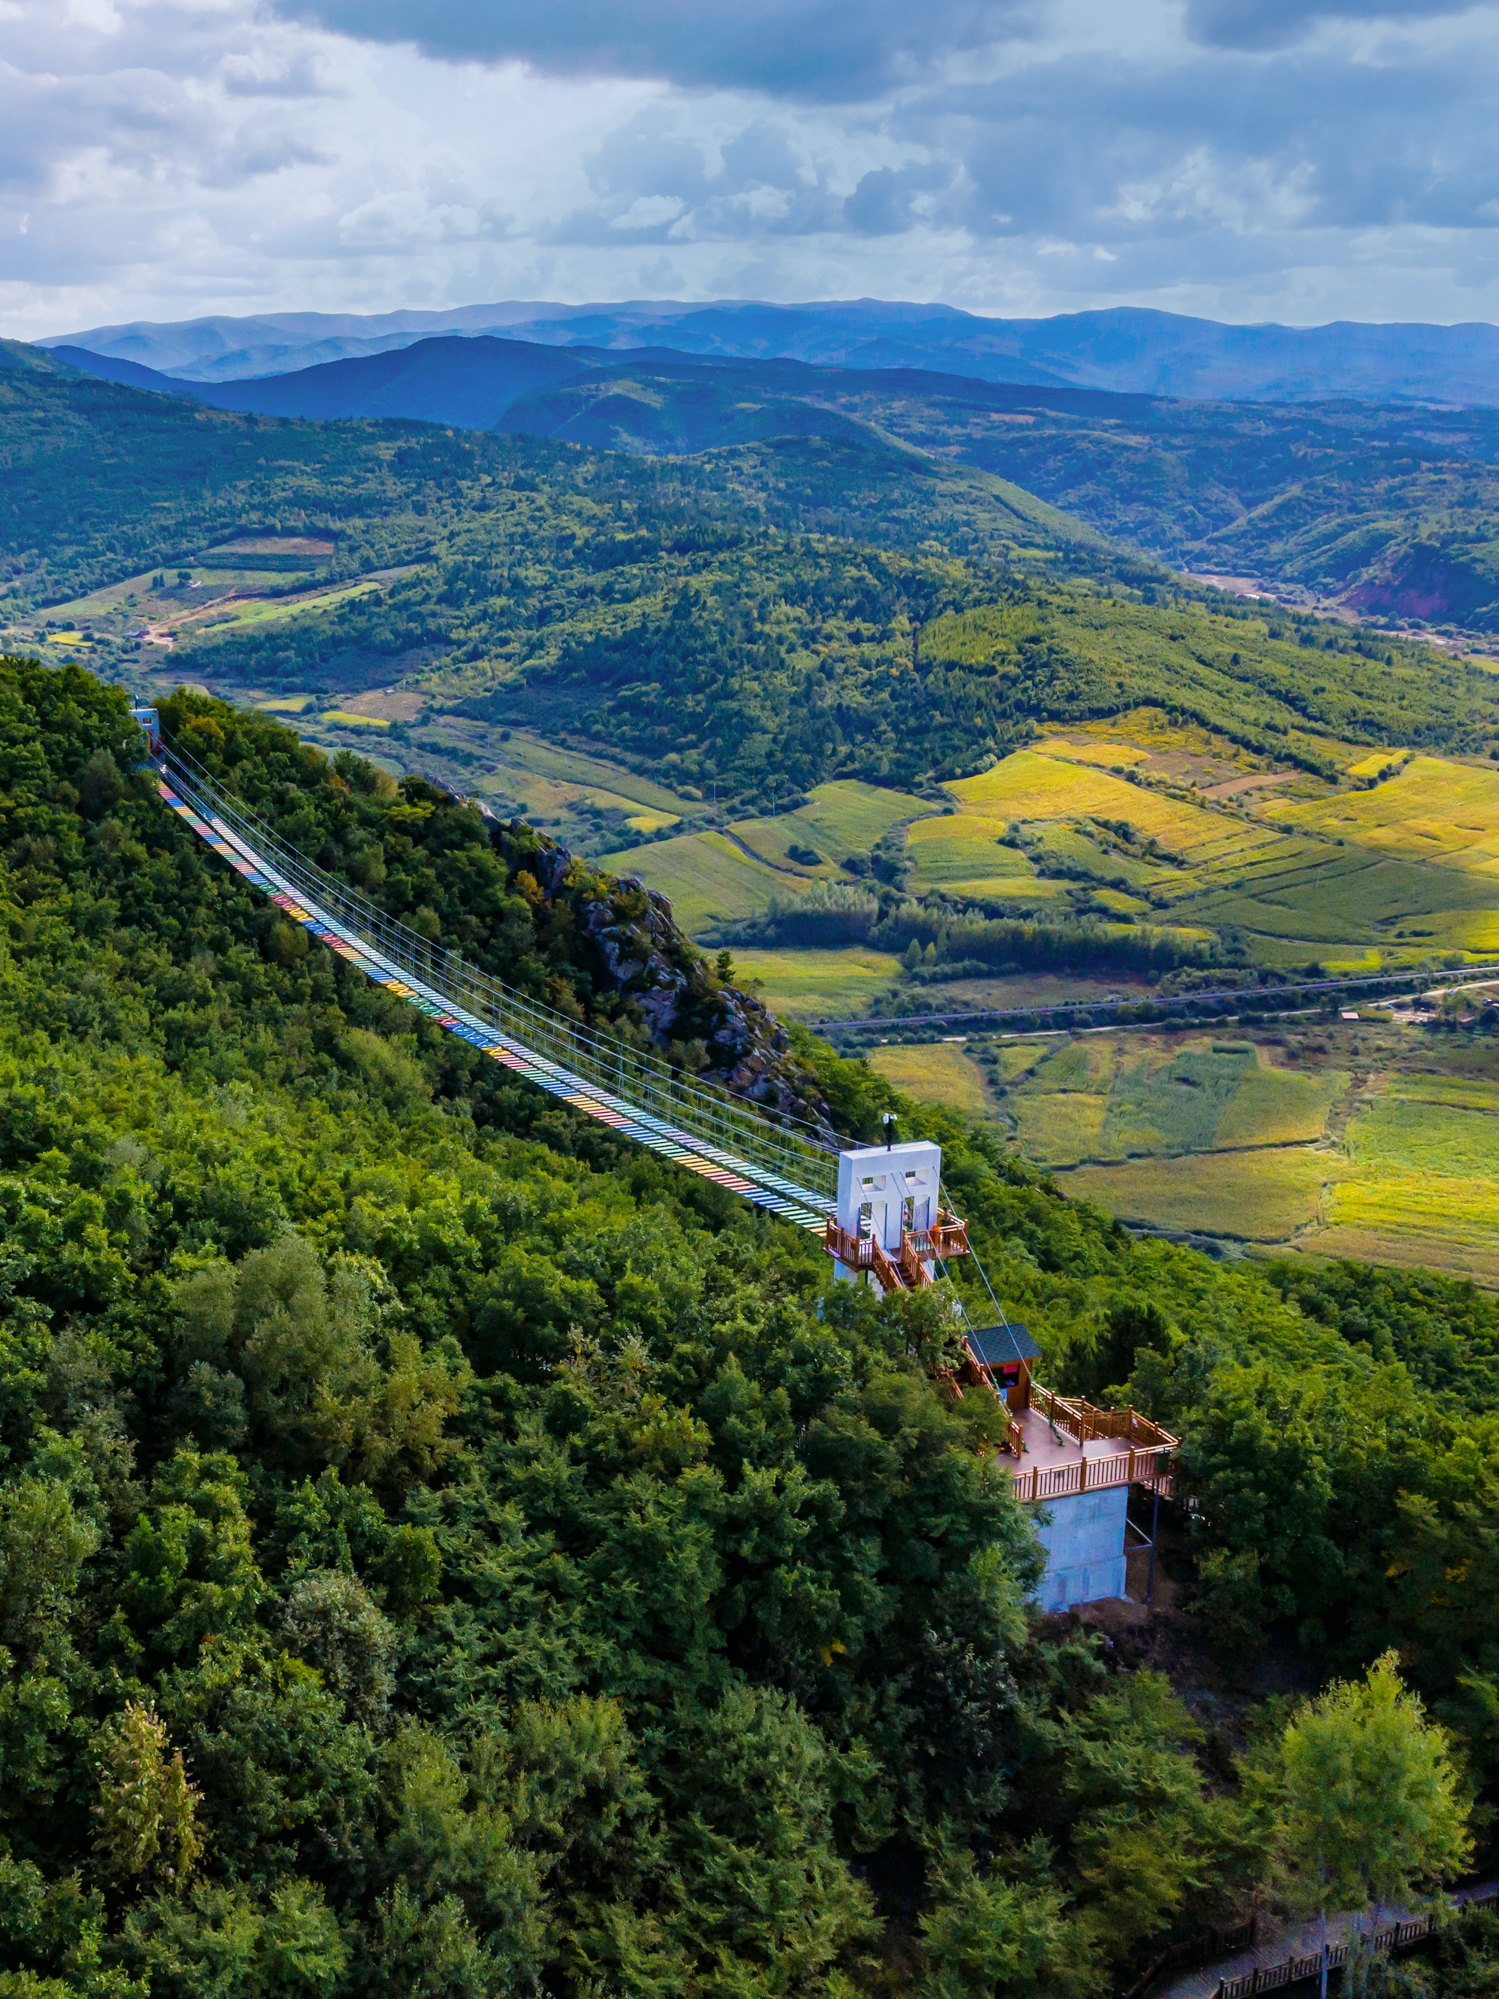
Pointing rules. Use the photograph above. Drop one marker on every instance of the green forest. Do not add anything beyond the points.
(446, 1551)
(773, 615)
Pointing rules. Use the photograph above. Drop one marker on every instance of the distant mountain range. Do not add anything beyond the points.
(1125, 349)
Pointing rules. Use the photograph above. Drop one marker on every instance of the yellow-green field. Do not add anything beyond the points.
(964, 844)
(342, 718)
(525, 751)
(810, 984)
(1364, 1139)
(939, 1073)
(1043, 785)
(1103, 1097)
(723, 877)
(706, 877)
(136, 590)
(1180, 828)
(1433, 809)
(270, 610)
(1255, 1198)
(848, 817)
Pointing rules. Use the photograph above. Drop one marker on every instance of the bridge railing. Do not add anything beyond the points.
(792, 1155)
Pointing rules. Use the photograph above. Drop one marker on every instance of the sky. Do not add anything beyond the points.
(1246, 160)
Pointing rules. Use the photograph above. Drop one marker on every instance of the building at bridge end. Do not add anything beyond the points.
(1074, 1461)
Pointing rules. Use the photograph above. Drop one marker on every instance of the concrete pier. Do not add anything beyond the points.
(1083, 1536)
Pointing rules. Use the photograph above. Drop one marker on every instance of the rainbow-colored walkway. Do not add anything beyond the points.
(778, 1171)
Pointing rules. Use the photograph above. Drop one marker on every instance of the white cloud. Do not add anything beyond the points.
(168, 158)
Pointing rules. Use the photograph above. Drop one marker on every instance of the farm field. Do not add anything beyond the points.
(806, 984)
(707, 878)
(1101, 1097)
(722, 877)
(1259, 1198)
(1139, 819)
(1431, 809)
(1363, 1139)
(251, 610)
(844, 817)
(1181, 828)
(525, 751)
(134, 593)
(1043, 785)
(583, 800)
(940, 1073)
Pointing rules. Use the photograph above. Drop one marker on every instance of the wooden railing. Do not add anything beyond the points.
(903, 1269)
(1222, 1940)
(1086, 1423)
(863, 1252)
(1292, 1970)
(1015, 1440)
(949, 1237)
(1131, 1467)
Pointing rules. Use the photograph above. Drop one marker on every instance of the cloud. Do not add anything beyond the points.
(824, 50)
(169, 158)
(291, 73)
(889, 200)
(1278, 24)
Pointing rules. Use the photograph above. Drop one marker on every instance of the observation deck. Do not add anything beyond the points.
(1066, 1445)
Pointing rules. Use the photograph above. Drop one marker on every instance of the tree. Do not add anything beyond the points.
(991, 1938)
(146, 1806)
(1368, 1803)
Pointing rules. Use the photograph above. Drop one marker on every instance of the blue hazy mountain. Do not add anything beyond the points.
(638, 399)
(469, 383)
(1122, 349)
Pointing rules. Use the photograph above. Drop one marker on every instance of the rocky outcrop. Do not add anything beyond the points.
(640, 951)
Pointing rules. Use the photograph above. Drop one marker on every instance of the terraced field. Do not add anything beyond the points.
(707, 878)
(722, 877)
(1177, 827)
(848, 817)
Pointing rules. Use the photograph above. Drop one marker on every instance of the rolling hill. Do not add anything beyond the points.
(1378, 510)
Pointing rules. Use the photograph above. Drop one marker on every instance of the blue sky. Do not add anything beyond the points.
(1244, 159)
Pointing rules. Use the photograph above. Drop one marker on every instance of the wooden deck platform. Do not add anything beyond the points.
(1059, 1455)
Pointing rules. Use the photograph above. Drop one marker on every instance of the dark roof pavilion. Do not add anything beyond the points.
(1002, 1346)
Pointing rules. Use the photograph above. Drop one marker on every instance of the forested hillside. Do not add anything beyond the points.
(778, 613)
(98, 480)
(1387, 510)
(443, 1550)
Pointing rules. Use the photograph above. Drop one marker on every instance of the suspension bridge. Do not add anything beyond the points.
(786, 1168)
(877, 1209)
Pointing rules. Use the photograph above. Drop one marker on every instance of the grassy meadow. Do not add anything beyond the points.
(810, 984)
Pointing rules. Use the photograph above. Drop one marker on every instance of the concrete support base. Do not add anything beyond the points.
(1084, 1541)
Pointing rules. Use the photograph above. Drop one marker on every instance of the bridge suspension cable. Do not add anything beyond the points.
(785, 1166)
